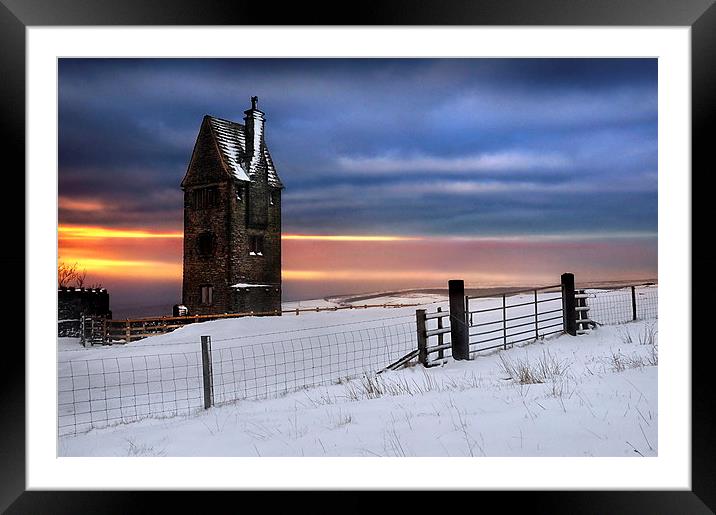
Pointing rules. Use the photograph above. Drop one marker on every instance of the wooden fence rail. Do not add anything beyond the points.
(132, 329)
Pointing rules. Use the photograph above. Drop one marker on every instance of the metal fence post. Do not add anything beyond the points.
(207, 371)
(459, 335)
(504, 322)
(536, 318)
(420, 323)
(568, 304)
(633, 303)
(441, 352)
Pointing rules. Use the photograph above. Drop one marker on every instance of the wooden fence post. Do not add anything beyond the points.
(420, 323)
(568, 304)
(459, 335)
(633, 303)
(207, 371)
(83, 339)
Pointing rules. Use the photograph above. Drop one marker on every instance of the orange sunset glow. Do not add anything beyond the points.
(363, 262)
(94, 248)
(90, 233)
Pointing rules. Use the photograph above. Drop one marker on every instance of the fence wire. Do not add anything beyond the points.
(268, 369)
(495, 323)
(101, 392)
(617, 306)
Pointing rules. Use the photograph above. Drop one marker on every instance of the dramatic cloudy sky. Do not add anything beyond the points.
(496, 170)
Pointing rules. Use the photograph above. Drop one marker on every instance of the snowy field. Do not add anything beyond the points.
(592, 395)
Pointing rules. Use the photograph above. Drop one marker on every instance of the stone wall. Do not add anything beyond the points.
(74, 302)
(211, 268)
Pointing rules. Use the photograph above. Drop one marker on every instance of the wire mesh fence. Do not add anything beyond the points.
(101, 392)
(268, 369)
(94, 393)
(622, 305)
(499, 322)
(97, 393)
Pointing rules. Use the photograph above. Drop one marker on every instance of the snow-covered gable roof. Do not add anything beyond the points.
(272, 174)
(231, 140)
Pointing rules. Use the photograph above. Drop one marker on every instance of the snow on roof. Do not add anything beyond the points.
(247, 285)
(231, 139)
(272, 174)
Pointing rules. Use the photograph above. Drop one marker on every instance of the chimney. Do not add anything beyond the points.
(254, 122)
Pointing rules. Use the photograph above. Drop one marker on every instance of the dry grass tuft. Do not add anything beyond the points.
(547, 368)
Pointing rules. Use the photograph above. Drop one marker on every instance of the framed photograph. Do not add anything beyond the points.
(430, 255)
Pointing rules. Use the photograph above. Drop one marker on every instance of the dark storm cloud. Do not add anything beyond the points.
(377, 145)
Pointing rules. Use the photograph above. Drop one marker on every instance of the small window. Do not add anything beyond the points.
(256, 245)
(205, 244)
(207, 295)
(204, 198)
(239, 192)
(273, 198)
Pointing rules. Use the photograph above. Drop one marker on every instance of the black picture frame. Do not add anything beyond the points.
(17, 15)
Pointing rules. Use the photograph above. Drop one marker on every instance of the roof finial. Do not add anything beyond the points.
(254, 102)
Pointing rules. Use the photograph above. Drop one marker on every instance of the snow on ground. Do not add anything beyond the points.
(398, 297)
(244, 331)
(596, 396)
(309, 304)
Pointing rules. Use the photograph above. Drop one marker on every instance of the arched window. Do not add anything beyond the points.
(205, 244)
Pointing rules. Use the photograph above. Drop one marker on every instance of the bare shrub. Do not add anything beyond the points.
(70, 275)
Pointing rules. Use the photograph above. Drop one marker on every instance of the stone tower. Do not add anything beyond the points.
(232, 220)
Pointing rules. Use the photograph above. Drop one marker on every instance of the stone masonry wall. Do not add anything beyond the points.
(211, 269)
(74, 302)
(232, 225)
